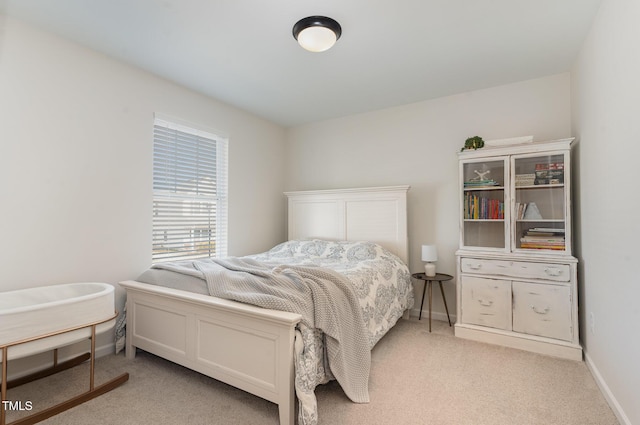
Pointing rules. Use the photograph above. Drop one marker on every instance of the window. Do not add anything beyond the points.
(189, 193)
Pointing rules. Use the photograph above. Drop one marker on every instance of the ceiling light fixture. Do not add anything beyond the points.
(317, 33)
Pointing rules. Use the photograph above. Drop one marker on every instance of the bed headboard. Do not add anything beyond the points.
(377, 214)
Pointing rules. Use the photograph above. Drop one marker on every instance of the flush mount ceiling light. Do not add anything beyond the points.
(317, 33)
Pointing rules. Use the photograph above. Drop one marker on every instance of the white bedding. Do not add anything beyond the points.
(380, 282)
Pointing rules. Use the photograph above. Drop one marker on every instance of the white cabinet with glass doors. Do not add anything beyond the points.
(516, 276)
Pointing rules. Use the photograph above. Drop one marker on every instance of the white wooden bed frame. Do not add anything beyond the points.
(249, 347)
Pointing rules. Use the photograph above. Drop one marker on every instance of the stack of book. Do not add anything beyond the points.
(481, 183)
(525, 179)
(552, 173)
(543, 238)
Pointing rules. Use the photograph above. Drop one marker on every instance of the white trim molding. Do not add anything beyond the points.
(606, 391)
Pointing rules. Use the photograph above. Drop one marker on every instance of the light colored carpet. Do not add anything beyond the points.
(417, 378)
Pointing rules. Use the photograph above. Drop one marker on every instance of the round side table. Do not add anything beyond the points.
(428, 280)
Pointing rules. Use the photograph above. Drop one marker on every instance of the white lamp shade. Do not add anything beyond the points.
(429, 253)
(317, 39)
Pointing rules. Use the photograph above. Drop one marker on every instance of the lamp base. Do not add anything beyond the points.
(430, 269)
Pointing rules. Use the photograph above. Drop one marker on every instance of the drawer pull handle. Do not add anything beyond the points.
(487, 303)
(545, 311)
(475, 266)
(553, 271)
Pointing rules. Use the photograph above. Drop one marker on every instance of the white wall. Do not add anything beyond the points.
(605, 93)
(75, 163)
(417, 144)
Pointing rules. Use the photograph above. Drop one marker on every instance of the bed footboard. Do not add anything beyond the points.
(248, 347)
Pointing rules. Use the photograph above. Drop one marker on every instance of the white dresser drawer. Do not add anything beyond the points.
(517, 269)
(543, 310)
(486, 302)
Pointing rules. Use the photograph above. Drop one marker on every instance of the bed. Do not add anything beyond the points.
(255, 348)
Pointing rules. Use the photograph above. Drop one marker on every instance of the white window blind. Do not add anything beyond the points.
(189, 193)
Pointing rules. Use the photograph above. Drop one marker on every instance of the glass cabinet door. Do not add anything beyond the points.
(539, 208)
(483, 203)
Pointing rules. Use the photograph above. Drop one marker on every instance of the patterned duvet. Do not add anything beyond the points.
(381, 280)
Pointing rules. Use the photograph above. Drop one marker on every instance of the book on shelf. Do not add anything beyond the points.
(529, 245)
(538, 230)
(481, 183)
(552, 173)
(542, 245)
(525, 179)
(482, 208)
(551, 239)
(525, 176)
(521, 208)
(543, 238)
(550, 166)
(542, 182)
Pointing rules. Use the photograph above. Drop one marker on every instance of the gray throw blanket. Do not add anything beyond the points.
(324, 298)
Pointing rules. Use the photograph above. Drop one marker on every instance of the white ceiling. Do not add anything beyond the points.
(391, 53)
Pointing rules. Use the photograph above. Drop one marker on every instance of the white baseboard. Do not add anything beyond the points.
(608, 395)
(105, 350)
(435, 315)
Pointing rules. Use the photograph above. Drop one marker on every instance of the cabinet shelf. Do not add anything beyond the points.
(474, 189)
(541, 186)
(541, 220)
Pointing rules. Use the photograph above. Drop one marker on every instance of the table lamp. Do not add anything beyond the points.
(430, 256)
